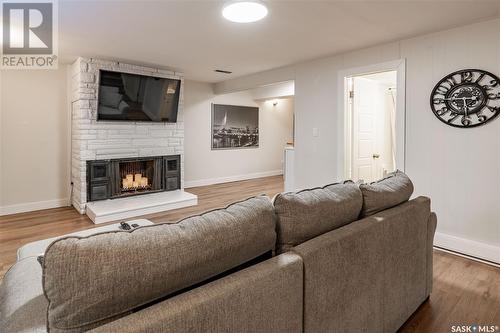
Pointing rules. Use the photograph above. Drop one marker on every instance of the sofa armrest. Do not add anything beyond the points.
(23, 307)
(431, 230)
(266, 297)
(370, 275)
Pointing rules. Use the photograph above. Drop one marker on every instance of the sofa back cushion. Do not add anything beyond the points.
(386, 193)
(309, 213)
(92, 279)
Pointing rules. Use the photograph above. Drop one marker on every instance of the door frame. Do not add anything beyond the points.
(344, 147)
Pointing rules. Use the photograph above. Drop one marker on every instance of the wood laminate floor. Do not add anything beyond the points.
(465, 292)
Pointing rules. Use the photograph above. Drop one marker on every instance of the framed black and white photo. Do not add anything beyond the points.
(235, 127)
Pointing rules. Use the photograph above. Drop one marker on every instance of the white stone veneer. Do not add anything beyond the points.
(98, 140)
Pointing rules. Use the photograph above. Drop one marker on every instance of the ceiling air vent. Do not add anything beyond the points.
(222, 71)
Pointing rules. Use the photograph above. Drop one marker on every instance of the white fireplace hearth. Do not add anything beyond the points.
(125, 208)
(94, 140)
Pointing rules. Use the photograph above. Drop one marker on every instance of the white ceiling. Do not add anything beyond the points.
(192, 36)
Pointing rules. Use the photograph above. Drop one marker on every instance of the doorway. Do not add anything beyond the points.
(370, 113)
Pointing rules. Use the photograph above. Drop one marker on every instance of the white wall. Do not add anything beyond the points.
(458, 168)
(34, 140)
(204, 166)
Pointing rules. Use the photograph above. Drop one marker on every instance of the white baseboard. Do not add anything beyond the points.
(487, 262)
(32, 206)
(220, 180)
(467, 247)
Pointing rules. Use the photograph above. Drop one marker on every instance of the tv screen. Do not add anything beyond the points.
(132, 97)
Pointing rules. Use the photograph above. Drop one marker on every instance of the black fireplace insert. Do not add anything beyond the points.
(118, 178)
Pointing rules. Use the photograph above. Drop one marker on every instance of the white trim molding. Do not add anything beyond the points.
(32, 206)
(220, 180)
(468, 247)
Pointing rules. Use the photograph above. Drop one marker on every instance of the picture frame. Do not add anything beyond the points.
(234, 127)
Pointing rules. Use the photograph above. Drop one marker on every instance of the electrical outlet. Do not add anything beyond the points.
(315, 132)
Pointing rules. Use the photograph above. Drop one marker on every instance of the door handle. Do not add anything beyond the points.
(375, 155)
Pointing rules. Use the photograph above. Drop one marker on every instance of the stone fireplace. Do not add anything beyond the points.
(125, 177)
(112, 160)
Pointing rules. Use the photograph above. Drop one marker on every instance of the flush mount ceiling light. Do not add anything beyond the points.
(244, 11)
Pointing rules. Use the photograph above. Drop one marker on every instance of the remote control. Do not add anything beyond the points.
(125, 226)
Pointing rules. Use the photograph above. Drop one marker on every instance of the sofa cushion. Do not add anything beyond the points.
(309, 213)
(385, 193)
(23, 307)
(88, 280)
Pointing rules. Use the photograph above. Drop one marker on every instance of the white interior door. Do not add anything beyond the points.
(391, 126)
(365, 132)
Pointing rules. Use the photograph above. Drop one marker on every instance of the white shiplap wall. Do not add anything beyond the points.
(459, 169)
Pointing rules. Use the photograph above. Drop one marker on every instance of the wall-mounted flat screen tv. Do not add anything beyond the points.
(132, 97)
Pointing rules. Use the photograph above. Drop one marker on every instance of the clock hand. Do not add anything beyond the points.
(465, 105)
(473, 98)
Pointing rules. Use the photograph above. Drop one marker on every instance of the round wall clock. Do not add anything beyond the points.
(466, 98)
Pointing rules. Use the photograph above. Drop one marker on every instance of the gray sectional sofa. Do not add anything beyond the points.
(342, 258)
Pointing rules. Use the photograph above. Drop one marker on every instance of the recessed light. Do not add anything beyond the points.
(244, 11)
